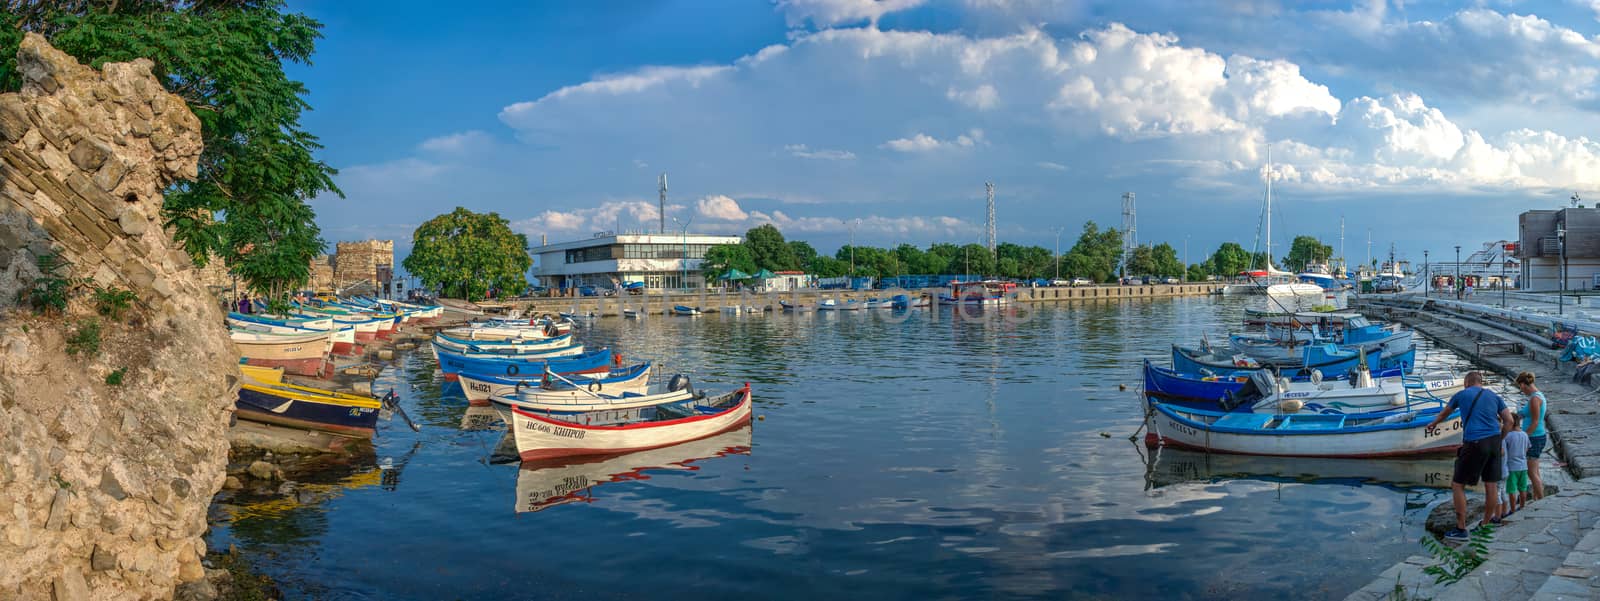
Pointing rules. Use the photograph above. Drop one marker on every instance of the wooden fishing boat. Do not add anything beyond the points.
(503, 333)
(1326, 358)
(540, 437)
(988, 292)
(265, 398)
(1326, 321)
(829, 304)
(343, 338)
(508, 346)
(534, 353)
(683, 310)
(1387, 434)
(590, 409)
(479, 387)
(593, 362)
(366, 328)
(301, 354)
(1262, 393)
(545, 484)
(793, 307)
(1210, 390)
(901, 301)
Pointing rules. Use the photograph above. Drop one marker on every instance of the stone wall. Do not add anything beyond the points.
(103, 487)
(321, 273)
(358, 261)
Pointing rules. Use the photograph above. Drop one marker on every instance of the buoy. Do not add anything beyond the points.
(1105, 435)
(761, 418)
(1122, 387)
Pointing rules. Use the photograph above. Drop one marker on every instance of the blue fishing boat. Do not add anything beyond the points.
(683, 310)
(1326, 358)
(1203, 390)
(265, 398)
(597, 361)
(1385, 434)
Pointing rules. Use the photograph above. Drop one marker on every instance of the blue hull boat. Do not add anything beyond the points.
(1202, 391)
(597, 361)
(1328, 359)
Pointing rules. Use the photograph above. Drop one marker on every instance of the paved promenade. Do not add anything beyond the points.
(1551, 550)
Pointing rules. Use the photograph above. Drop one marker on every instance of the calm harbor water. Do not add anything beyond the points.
(928, 458)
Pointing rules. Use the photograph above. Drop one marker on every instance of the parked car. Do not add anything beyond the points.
(1171, 281)
(1082, 282)
(1063, 283)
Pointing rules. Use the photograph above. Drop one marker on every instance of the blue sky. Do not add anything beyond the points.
(1428, 123)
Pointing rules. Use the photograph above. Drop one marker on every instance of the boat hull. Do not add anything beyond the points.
(331, 417)
(540, 438)
(479, 388)
(1172, 427)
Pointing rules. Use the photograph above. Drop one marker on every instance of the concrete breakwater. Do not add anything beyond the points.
(712, 301)
(1551, 550)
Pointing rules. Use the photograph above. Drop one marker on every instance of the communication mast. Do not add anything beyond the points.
(1130, 229)
(989, 187)
(662, 181)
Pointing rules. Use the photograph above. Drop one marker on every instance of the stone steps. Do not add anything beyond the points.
(1579, 576)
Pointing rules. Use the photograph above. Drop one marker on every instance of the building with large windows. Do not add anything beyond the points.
(609, 260)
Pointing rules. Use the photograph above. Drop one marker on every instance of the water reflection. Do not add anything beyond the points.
(541, 485)
(1168, 466)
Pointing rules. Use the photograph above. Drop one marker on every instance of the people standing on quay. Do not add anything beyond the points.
(1515, 447)
(1533, 424)
(1484, 416)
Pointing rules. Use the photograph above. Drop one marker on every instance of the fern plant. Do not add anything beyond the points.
(52, 290)
(1455, 563)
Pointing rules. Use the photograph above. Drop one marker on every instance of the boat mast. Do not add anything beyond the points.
(1341, 244)
(1269, 212)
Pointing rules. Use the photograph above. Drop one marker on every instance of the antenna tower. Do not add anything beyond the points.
(662, 182)
(988, 188)
(1130, 229)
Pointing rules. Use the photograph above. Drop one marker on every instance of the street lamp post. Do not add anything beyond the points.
(1058, 252)
(1458, 272)
(1561, 247)
(684, 283)
(1503, 262)
(853, 225)
(1427, 281)
(1185, 257)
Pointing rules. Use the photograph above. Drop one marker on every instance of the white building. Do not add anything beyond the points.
(608, 260)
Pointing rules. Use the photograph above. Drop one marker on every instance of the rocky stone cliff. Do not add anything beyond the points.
(103, 487)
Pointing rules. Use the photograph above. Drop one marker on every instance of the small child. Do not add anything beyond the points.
(1514, 445)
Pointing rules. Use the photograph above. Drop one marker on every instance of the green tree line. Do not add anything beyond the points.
(1096, 255)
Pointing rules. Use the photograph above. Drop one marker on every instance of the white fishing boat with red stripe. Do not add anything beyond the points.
(546, 437)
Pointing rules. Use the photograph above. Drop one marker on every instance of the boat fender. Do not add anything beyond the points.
(680, 382)
(1283, 384)
(1291, 406)
(1316, 376)
(616, 359)
(596, 386)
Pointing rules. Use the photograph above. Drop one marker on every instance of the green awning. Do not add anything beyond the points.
(734, 274)
(764, 275)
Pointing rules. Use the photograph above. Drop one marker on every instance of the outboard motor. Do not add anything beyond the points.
(679, 382)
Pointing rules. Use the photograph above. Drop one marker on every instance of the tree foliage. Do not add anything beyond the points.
(463, 254)
(769, 250)
(1229, 259)
(225, 58)
(1095, 255)
(1304, 250)
(724, 258)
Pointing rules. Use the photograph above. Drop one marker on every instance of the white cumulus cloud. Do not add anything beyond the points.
(721, 207)
(829, 13)
(925, 143)
(806, 152)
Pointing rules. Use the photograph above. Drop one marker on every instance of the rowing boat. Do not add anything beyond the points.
(302, 354)
(540, 437)
(265, 398)
(1386, 434)
(479, 387)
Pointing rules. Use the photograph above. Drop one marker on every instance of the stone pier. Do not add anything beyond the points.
(1551, 550)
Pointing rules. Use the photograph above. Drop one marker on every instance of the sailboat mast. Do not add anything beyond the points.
(1269, 212)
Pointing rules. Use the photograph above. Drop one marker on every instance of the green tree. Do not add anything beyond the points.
(824, 266)
(1166, 262)
(1141, 262)
(463, 254)
(724, 258)
(768, 248)
(802, 252)
(1306, 249)
(1095, 255)
(1229, 260)
(973, 259)
(942, 259)
(1199, 271)
(226, 59)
